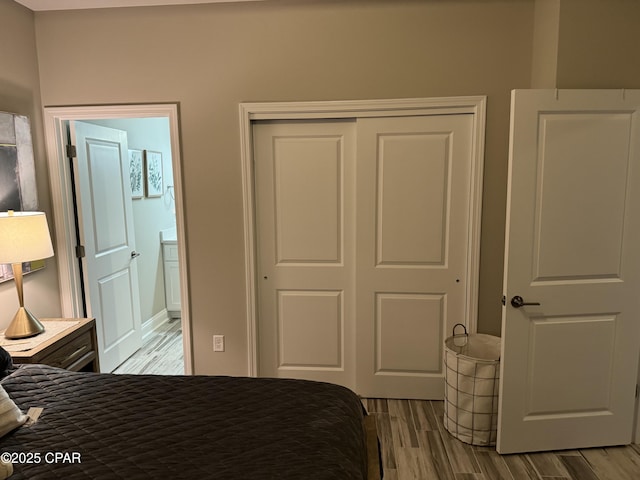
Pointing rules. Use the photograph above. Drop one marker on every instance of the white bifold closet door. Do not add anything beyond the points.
(362, 230)
(305, 209)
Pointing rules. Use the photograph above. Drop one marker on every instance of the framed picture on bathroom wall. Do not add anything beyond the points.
(153, 173)
(135, 172)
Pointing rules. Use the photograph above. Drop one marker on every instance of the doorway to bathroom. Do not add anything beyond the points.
(152, 153)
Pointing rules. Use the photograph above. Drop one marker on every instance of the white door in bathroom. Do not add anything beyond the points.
(105, 218)
(570, 325)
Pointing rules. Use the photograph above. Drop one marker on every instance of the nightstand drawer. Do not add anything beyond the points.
(73, 347)
(75, 350)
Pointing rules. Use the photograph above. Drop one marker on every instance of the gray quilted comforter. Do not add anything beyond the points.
(199, 427)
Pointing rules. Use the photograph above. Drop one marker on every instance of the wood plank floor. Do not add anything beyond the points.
(414, 442)
(161, 353)
(415, 445)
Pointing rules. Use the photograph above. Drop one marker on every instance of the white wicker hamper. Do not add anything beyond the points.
(472, 376)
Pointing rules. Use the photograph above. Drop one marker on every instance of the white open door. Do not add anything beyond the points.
(569, 365)
(106, 230)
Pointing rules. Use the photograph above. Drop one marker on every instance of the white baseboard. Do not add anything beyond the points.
(155, 322)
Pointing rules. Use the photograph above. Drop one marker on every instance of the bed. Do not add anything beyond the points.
(107, 426)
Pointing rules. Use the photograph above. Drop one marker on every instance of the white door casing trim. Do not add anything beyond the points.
(55, 119)
(250, 112)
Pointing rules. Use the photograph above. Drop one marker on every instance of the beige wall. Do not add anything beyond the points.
(586, 44)
(211, 57)
(546, 28)
(599, 44)
(20, 93)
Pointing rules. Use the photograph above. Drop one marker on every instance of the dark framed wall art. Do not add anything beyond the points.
(17, 174)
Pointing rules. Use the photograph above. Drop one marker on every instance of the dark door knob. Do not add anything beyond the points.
(518, 301)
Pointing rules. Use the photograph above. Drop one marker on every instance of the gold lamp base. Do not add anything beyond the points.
(23, 325)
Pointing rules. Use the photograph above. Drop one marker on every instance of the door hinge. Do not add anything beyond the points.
(637, 390)
(71, 151)
(80, 251)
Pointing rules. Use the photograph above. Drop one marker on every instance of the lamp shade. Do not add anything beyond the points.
(24, 237)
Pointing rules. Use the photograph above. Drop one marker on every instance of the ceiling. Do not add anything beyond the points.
(43, 5)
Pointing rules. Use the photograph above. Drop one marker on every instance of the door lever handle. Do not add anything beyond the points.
(135, 254)
(518, 301)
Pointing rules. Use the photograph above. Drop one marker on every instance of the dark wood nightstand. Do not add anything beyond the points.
(75, 348)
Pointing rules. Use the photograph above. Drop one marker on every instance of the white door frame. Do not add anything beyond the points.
(55, 119)
(251, 112)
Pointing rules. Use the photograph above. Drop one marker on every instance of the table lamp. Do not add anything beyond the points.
(24, 237)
